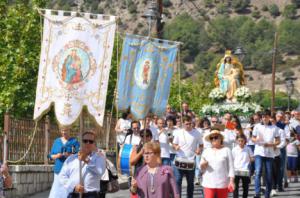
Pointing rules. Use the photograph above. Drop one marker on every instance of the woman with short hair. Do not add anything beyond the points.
(154, 180)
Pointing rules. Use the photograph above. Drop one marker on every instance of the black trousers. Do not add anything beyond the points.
(84, 195)
(276, 172)
(245, 185)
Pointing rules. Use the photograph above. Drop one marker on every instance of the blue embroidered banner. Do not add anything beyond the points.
(145, 75)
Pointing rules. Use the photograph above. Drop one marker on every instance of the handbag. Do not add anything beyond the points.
(111, 185)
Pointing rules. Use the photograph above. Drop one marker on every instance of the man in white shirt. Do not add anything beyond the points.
(164, 142)
(187, 143)
(93, 167)
(266, 137)
(134, 138)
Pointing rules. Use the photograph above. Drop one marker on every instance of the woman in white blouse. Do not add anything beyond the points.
(217, 167)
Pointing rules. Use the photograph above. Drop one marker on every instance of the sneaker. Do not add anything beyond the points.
(280, 190)
(197, 182)
(273, 193)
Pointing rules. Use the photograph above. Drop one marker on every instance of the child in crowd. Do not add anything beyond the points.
(292, 154)
(242, 157)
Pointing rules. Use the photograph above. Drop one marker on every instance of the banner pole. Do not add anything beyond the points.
(81, 130)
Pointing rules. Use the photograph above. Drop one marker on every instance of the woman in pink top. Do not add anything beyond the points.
(154, 180)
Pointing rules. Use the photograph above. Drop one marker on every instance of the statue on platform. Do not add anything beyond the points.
(229, 75)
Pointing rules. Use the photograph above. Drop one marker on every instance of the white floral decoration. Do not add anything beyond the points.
(242, 94)
(216, 94)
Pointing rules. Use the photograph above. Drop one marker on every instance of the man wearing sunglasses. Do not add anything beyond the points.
(93, 167)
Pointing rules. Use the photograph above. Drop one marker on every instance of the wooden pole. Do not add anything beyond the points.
(159, 24)
(81, 131)
(46, 148)
(273, 73)
(5, 138)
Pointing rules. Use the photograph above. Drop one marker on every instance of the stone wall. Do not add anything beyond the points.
(29, 179)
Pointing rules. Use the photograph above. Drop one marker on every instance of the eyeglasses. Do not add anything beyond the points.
(88, 141)
(214, 138)
(148, 153)
(188, 123)
(147, 136)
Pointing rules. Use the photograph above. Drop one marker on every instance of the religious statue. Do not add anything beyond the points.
(229, 75)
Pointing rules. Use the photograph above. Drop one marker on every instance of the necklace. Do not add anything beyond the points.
(152, 172)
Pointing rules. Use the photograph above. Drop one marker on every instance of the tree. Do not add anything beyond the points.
(202, 60)
(222, 30)
(290, 11)
(194, 91)
(190, 32)
(274, 10)
(19, 51)
(281, 100)
(289, 37)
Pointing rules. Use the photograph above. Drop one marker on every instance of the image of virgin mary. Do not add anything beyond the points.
(71, 68)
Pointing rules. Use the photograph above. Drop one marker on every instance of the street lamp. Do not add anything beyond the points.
(240, 53)
(289, 84)
(151, 14)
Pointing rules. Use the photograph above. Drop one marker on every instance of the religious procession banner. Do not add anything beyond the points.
(145, 75)
(74, 65)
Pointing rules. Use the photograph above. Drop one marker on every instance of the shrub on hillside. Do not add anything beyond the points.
(290, 11)
(296, 2)
(240, 5)
(208, 3)
(167, 3)
(289, 39)
(189, 31)
(264, 8)
(256, 14)
(222, 8)
(274, 10)
(288, 73)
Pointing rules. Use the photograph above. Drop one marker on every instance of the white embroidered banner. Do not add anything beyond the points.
(74, 65)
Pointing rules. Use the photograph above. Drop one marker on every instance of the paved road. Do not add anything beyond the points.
(293, 191)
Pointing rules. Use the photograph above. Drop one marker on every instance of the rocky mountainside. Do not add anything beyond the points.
(130, 21)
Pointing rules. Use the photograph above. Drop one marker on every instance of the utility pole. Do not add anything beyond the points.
(159, 24)
(273, 73)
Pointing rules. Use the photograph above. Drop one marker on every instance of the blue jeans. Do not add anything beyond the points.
(259, 163)
(197, 168)
(190, 174)
(252, 164)
(165, 161)
(282, 167)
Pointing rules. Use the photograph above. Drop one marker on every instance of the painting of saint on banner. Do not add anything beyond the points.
(142, 73)
(74, 66)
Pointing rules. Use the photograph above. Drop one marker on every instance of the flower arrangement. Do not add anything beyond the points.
(242, 94)
(217, 95)
(165, 171)
(234, 108)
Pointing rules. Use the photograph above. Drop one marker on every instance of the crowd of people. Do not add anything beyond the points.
(215, 152)
(218, 153)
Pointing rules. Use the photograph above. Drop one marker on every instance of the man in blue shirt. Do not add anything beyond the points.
(93, 167)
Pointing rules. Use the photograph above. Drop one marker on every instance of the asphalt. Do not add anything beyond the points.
(293, 191)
